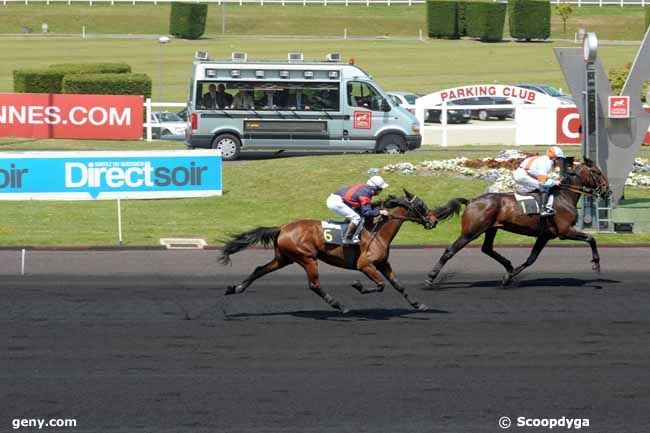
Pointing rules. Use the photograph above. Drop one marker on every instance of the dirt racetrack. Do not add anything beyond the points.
(144, 341)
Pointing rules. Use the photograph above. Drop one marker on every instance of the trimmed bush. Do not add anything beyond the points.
(442, 19)
(617, 77)
(92, 68)
(108, 84)
(647, 18)
(187, 20)
(529, 19)
(485, 21)
(460, 16)
(37, 81)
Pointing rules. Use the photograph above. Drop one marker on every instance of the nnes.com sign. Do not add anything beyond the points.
(109, 175)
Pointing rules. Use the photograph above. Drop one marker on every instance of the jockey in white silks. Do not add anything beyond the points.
(535, 173)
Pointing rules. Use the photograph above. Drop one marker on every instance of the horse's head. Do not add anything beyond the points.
(592, 177)
(416, 210)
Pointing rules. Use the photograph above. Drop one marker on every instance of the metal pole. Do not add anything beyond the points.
(119, 220)
(443, 121)
(22, 263)
(223, 17)
(160, 91)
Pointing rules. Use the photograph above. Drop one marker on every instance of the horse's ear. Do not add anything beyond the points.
(407, 194)
(589, 162)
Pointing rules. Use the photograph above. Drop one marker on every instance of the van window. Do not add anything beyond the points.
(361, 94)
(268, 95)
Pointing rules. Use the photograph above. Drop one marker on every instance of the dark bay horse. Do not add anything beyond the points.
(491, 212)
(303, 242)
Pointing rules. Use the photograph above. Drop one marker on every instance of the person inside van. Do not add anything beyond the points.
(328, 100)
(297, 101)
(243, 100)
(223, 99)
(268, 102)
(210, 99)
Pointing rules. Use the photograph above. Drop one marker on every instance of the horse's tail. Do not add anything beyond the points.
(264, 235)
(451, 208)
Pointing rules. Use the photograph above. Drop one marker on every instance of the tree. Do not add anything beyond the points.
(564, 10)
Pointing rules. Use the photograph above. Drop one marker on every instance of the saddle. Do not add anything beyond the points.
(529, 202)
(334, 232)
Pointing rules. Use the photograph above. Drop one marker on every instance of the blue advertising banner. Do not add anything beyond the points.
(109, 175)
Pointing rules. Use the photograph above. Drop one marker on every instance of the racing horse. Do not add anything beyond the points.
(491, 212)
(303, 242)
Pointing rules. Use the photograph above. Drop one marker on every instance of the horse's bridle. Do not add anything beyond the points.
(421, 218)
(592, 192)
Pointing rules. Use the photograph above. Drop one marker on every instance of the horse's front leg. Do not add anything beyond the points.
(576, 235)
(387, 271)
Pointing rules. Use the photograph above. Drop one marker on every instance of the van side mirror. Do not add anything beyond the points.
(385, 106)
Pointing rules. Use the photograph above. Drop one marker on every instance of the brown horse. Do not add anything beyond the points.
(303, 242)
(491, 212)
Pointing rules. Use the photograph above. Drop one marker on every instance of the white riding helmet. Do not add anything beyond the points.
(554, 152)
(377, 182)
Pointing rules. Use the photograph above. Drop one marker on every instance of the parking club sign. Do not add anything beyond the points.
(619, 107)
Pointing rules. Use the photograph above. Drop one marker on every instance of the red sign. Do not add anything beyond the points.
(362, 120)
(568, 126)
(41, 115)
(619, 107)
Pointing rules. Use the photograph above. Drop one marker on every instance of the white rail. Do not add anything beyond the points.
(148, 105)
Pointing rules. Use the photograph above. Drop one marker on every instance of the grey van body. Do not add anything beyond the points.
(340, 108)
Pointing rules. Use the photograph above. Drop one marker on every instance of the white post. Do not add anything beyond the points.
(443, 122)
(368, 3)
(345, 33)
(22, 263)
(346, 3)
(600, 3)
(147, 104)
(119, 220)
(621, 3)
(421, 38)
(83, 32)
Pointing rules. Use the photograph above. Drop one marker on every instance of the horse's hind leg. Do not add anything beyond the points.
(311, 267)
(540, 243)
(448, 254)
(275, 264)
(387, 270)
(370, 271)
(488, 248)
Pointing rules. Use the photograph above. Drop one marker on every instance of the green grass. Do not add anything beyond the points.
(256, 193)
(396, 65)
(611, 22)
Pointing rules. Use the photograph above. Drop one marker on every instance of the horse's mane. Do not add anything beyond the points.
(391, 202)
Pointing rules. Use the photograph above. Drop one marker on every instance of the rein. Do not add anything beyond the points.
(580, 190)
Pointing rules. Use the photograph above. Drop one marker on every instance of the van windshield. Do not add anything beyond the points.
(259, 95)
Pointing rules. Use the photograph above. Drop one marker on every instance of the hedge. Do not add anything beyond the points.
(442, 20)
(187, 20)
(485, 21)
(108, 84)
(617, 78)
(461, 13)
(529, 19)
(647, 18)
(92, 68)
(38, 81)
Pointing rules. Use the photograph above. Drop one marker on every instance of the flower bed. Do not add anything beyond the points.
(497, 172)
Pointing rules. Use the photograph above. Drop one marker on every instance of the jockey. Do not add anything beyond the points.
(534, 174)
(351, 201)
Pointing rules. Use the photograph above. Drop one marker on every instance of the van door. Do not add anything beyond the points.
(365, 117)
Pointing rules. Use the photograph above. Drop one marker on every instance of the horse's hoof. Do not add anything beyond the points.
(230, 290)
(505, 283)
(596, 267)
(357, 285)
(345, 310)
(429, 284)
(421, 307)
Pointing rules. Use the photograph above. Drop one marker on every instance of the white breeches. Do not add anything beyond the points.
(336, 203)
(525, 182)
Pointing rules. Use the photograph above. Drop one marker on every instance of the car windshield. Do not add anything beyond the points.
(410, 98)
(169, 117)
(552, 91)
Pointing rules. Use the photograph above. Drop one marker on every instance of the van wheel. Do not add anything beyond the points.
(391, 143)
(483, 115)
(229, 145)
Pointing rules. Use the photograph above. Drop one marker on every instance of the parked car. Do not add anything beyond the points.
(166, 124)
(487, 112)
(550, 91)
(454, 115)
(182, 114)
(405, 99)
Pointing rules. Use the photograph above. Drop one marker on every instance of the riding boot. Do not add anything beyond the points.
(547, 204)
(349, 234)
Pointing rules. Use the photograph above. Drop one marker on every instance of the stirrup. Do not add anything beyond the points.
(547, 211)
